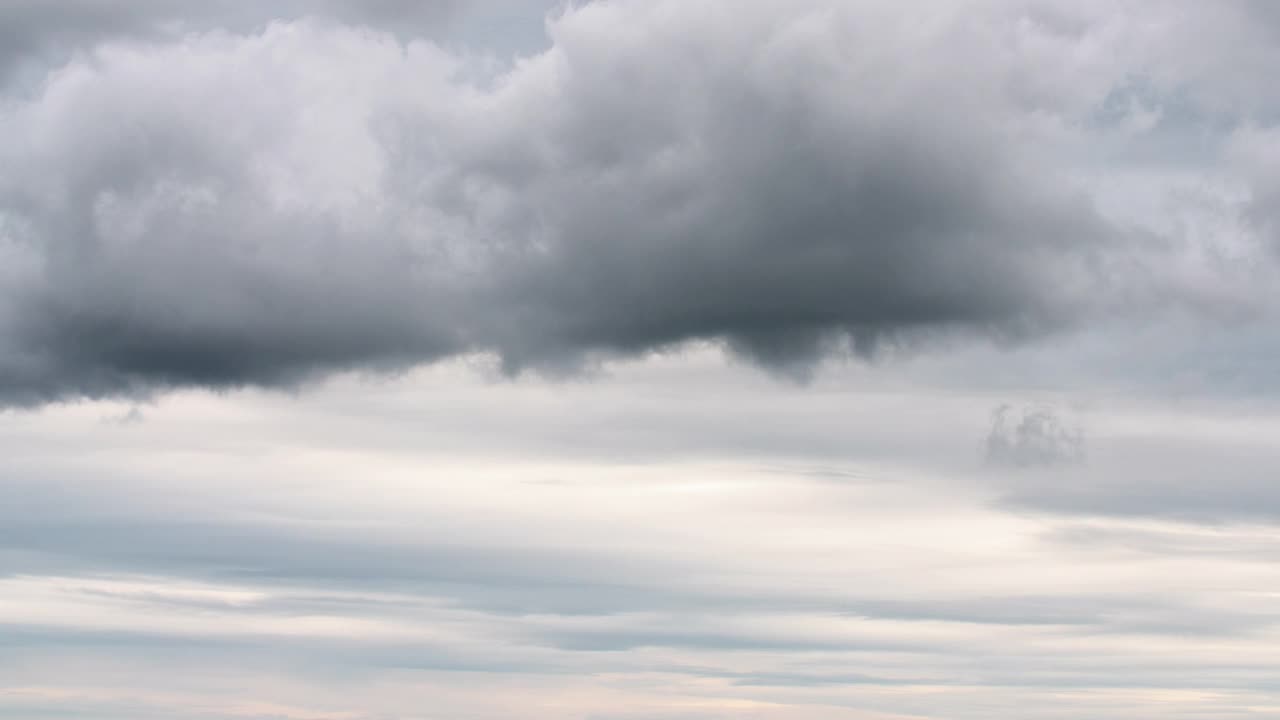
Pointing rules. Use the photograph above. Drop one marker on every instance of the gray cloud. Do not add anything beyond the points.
(194, 195)
(260, 209)
(38, 32)
(1216, 471)
(1036, 436)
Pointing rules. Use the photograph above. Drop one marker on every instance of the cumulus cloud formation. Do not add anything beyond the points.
(264, 203)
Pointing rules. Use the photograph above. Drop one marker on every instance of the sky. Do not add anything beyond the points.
(639, 360)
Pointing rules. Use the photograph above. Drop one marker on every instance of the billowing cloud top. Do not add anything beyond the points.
(214, 194)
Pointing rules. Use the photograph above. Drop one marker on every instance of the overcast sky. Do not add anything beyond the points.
(639, 359)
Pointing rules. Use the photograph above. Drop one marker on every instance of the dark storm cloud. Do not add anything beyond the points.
(227, 210)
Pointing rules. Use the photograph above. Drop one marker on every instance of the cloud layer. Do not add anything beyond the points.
(665, 545)
(268, 203)
(1031, 205)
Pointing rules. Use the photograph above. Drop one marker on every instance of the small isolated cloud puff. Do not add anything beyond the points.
(133, 416)
(1035, 436)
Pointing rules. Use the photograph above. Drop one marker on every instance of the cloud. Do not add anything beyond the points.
(34, 32)
(1038, 436)
(367, 547)
(133, 416)
(261, 208)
